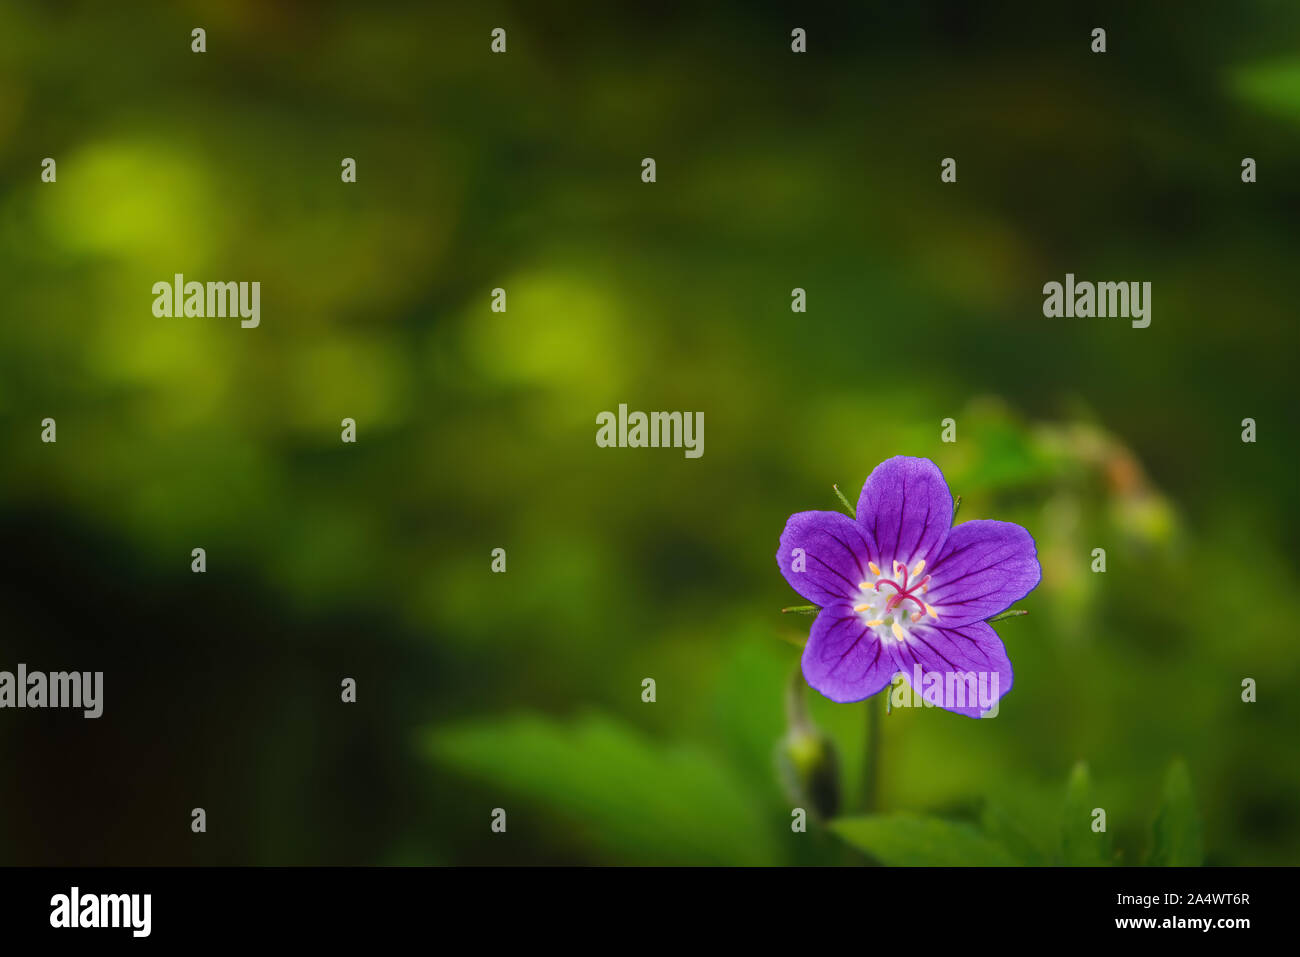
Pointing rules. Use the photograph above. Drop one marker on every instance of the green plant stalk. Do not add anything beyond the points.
(871, 757)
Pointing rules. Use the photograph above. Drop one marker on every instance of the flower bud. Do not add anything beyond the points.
(805, 757)
(810, 771)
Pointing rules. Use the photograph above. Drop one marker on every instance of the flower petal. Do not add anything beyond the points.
(984, 567)
(907, 509)
(834, 556)
(971, 664)
(844, 659)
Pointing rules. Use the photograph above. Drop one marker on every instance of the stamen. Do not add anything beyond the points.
(867, 586)
(860, 608)
(875, 569)
(899, 633)
(906, 591)
(875, 623)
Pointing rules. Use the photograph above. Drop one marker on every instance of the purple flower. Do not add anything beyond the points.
(903, 589)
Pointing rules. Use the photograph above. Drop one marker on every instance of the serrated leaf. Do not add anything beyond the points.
(1025, 824)
(909, 839)
(1081, 846)
(1176, 838)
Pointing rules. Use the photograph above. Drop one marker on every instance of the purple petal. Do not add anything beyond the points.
(907, 509)
(984, 567)
(834, 557)
(970, 663)
(844, 659)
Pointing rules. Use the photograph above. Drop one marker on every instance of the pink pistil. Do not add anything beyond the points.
(904, 593)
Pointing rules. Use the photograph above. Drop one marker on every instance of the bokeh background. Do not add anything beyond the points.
(476, 429)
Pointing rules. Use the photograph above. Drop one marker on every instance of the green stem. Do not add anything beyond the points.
(956, 507)
(801, 609)
(796, 707)
(871, 757)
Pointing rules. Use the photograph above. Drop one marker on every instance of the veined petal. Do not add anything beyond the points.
(964, 670)
(907, 509)
(844, 659)
(824, 556)
(984, 567)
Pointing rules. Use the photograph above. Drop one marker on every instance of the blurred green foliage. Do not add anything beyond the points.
(905, 839)
(522, 690)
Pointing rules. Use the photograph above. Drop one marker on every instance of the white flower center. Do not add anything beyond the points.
(892, 605)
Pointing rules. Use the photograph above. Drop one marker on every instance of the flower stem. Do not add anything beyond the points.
(956, 507)
(871, 756)
(796, 707)
(801, 609)
(847, 507)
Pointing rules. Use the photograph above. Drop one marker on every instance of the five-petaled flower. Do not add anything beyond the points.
(903, 589)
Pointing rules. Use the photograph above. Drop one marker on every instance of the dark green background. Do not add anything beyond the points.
(476, 429)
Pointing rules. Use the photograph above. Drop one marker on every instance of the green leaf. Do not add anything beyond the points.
(1081, 846)
(1026, 823)
(909, 839)
(1177, 831)
(632, 799)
